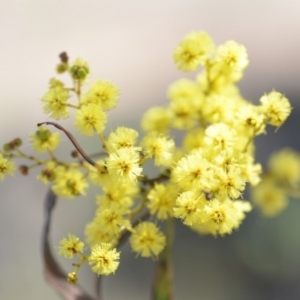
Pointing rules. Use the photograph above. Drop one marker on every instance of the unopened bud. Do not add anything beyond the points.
(79, 69)
(7, 147)
(43, 135)
(72, 278)
(64, 57)
(208, 195)
(61, 68)
(23, 170)
(74, 153)
(17, 142)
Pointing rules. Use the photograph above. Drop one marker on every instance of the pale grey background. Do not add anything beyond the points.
(130, 43)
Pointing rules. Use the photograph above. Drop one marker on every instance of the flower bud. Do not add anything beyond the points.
(74, 153)
(23, 170)
(7, 147)
(43, 134)
(17, 142)
(80, 69)
(72, 278)
(64, 57)
(61, 68)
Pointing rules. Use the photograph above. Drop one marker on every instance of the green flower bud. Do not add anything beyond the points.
(80, 69)
(23, 170)
(43, 134)
(7, 147)
(61, 68)
(17, 142)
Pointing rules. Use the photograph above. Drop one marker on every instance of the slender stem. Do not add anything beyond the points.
(73, 141)
(253, 135)
(152, 181)
(23, 155)
(163, 280)
(83, 259)
(34, 165)
(78, 90)
(103, 140)
(72, 105)
(52, 156)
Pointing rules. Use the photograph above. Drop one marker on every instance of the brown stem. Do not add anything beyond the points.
(152, 181)
(54, 274)
(73, 141)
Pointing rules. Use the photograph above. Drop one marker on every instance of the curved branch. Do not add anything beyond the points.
(54, 275)
(73, 141)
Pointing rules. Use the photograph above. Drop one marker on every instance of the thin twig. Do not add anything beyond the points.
(152, 181)
(73, 141)
(54, 274)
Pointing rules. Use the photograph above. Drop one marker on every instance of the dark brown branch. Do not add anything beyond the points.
(73, 141)
(151, 181)
(54, 275)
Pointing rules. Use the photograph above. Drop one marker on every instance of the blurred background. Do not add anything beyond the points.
(131, 43)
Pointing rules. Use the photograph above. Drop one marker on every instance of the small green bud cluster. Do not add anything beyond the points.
(79, 70)
(63, 66)
(12, 145)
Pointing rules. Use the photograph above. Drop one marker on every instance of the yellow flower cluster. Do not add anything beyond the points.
(199, 180)
(43, 140)
(70, 246)
(281, 181)
(6, 167)
(91, 105)
(103, 259)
